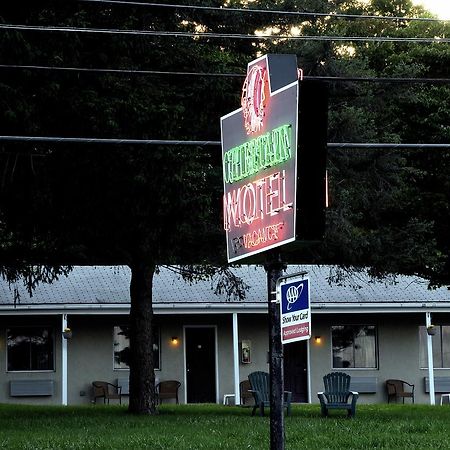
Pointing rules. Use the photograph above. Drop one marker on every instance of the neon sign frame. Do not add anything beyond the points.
(259, 155)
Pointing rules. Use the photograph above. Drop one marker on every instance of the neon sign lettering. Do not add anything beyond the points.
(265, 151)
(263, 235)
(269, 233)
(253, 201)
(254, 98)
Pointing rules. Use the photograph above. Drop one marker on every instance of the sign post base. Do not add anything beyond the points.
(274, 268)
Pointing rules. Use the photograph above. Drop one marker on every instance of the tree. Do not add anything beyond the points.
(407, 189)
(137, 206)
(145, 206)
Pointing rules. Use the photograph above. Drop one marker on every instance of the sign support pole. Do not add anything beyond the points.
(274, 268)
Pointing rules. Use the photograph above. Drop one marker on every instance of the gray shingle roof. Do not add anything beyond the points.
(110, 285)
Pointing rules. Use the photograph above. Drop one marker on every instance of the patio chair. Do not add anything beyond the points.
(167, 390)
(107, 391)
(399, 389)
(246, 395)
(337, 394)
(259, 382)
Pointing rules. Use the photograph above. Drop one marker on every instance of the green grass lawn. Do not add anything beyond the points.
(221, 427)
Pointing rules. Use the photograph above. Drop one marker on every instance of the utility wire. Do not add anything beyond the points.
(368, 145)
(268, 11)
(226, 75)
(121, 71)
(380, 79)
(186, 34)
(84, 140)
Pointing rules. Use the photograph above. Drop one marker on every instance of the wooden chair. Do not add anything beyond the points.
(259, 382)
(246, 395)
(337, 394)
(398, 389)
(107, 391)
(167, 390)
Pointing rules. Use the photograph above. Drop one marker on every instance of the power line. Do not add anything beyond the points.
(209, 74)
(368, 145)
(269, 11)
(120, 71)
(84, 140)
(380, 79)
(187, 34)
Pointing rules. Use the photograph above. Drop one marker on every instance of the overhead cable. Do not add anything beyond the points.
(380, 79)
(187, 34)
(393, 145)
(200, 143)
(227, 74)
(84, 140)
(119, 71)
(269, 11)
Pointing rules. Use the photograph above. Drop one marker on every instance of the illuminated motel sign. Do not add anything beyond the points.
(259, 155)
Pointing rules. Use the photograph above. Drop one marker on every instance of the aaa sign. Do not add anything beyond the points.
(293, 294)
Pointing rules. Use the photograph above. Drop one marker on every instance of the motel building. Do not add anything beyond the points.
(374, 331)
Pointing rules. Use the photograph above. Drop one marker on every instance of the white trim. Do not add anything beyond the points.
(430, 359)
(216, 358)
(257, 60)
(229, 115)
(30, 371)
(63, 361)
(284, 88)
(217, 363)
(184, 365)
(124, 309)
(308, 371)
(113, 350)
(256, 252)
(237, 394)
(376, 308)
(222, 308)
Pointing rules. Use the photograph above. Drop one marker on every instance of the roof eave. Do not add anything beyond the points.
(380, 308)
(220, 308)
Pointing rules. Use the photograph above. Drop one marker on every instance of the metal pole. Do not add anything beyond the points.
(274, 268)
(430, 359)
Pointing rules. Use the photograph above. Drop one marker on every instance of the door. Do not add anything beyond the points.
(200, 365)
(296, 370)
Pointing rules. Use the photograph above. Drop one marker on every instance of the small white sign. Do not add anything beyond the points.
(293, 294)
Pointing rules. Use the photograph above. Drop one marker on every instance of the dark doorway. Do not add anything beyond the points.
(296, 370)
(201, 365)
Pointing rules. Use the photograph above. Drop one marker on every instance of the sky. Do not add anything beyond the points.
(439, 7)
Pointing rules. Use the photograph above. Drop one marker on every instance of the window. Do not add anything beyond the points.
(354, 346)
(30, 348)
(122, 347)
(441, 347)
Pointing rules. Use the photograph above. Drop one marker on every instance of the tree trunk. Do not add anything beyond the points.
(142, 376)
